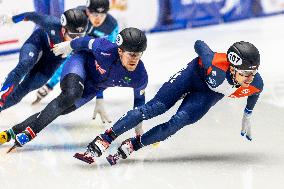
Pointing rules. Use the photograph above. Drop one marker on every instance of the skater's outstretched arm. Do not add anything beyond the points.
(45, 21)
(86, 43)
(251, 102)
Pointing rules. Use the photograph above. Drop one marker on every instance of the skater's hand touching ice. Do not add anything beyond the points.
(246, 126)
(100, 109)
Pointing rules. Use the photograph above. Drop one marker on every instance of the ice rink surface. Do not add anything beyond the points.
(209, 154)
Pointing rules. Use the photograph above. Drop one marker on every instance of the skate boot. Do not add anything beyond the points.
(22, 138)
(5, 136)
(94, 149)
(125, 149)
(41, 93)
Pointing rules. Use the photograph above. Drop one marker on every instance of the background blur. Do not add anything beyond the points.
(149, 15)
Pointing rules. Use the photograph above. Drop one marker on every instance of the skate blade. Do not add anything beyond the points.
(82, 157)
(156, 145)
(12, 148)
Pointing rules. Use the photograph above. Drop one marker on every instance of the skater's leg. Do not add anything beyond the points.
(30, 53)
(72, 87)
(178, 85)
(48, 87)
(31, 82)
(192, 109)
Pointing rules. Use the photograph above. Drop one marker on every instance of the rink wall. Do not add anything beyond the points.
(179, 14)
(149, 15)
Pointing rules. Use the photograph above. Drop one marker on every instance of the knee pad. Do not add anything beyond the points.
(72, 88)
(135, 116)
(72, 85)
(152, 109)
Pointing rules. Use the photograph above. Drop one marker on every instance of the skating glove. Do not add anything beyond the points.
(246, 126)
(63, 49)
(41, 93)
(100, 109)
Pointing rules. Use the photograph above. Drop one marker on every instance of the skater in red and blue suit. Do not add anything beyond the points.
(205, 81)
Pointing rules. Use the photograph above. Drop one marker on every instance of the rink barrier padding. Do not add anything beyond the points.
(11, 41)
(8, 52)
(181, 14)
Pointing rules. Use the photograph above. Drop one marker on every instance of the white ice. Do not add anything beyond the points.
(208, 154)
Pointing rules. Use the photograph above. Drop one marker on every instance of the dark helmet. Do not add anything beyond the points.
(132, 40)
(244, 56)
(74, 20)
(99, 6)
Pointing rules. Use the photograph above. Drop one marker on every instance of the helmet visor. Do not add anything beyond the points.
(98, 14)
(74, 35)
(133, 54)
(246, 73)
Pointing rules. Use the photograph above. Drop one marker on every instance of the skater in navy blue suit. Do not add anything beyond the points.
(101, 25)
(205, 81)
(36, 62)
(95, 65)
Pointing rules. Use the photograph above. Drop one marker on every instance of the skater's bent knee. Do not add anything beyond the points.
(135, 113)
(152, 109)
(72, 80)
(181, 118)
(72, 86)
